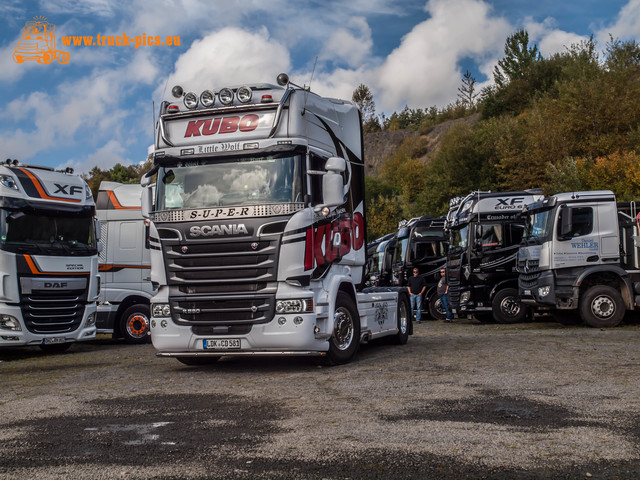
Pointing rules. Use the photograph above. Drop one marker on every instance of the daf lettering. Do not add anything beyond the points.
(218, 230)
(55, 284)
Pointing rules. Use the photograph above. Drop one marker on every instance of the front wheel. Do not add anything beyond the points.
(602, 307)
(507, 307)
(345, 340)
(404, 319)
(134, 324)
(436, 310)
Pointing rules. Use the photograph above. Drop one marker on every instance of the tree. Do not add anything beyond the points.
(517, 60)
(467, 93)
(363, 98)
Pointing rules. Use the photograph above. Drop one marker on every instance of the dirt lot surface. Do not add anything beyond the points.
(460, 400)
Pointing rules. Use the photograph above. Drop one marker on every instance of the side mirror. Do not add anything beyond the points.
(146, 201)
(98, 228)
(100, 247)
(332, 183)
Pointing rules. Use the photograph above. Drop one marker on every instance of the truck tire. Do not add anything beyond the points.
(602, 307)
(436, 310)
(507, 307)
(198, 361)
(404, 320)
(134, 324)
(345, 340)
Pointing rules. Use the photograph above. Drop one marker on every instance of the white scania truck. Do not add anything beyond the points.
(49, 280)
(581, 257)
(258, 228)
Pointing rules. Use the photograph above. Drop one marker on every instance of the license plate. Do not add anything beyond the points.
(526, 293)
(53, 340)
(221, 344)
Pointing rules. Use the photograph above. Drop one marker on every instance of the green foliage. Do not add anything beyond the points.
(118, 173)
(383, 215)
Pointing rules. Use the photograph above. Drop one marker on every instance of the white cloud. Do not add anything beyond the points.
(626, 26)
(352, 45)
(104, 157)
(424, 70)
(229, 57)
(551, 40)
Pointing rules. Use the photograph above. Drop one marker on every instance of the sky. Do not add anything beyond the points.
(97, 109)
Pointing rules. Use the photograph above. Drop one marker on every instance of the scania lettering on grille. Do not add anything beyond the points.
(212, 126)
(330, 242)
(218, 230)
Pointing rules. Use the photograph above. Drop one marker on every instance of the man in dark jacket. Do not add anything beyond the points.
(416, 286)
(443, 291)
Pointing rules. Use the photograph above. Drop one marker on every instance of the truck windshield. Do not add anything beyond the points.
(26, 232)
(537, 225)
(244, 181)
(459, 239)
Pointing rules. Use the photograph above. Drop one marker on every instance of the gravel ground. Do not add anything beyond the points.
(460, 400)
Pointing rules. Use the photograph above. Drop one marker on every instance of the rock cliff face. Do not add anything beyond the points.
(380, 145)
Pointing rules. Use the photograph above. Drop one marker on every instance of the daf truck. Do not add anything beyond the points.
(49, 279)
(580, 257)
(485, 233)
(258, 228)
(124, 264)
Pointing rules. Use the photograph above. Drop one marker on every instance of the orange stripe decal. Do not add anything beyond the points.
(36, 271)
(109, 267)
(116, 203)
(42, 192)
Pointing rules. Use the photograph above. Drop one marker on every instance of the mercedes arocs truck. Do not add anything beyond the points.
(485, 233)
(580, 257)
(258, 228)
(49, 279)
(124, 265)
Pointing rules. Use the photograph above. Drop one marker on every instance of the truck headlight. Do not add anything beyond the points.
(544, 291)
(161, 310)
(465, 297)
(294, 306)
(7, 322)
(91, 320)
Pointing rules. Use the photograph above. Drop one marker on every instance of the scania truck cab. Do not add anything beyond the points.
(485, 233)
(580, 257)
(49, 280)
(258, 228)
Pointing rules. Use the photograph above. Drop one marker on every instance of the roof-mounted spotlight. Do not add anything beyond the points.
(207, 98)
(226, 96)
(283, 79)
(68, 170)
(244, 94)
(16, 162)
(190, 100)
(177, 91)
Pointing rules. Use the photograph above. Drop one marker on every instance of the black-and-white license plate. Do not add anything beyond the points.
(221, 344)
(526, 293)
(53, 340)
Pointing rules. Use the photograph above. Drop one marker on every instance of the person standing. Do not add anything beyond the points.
(416, 286)
(443, 291)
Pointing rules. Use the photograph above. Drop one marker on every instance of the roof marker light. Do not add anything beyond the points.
(190, 100)
(226, 96)
(173, 109)
(207, 98)
(266, 99)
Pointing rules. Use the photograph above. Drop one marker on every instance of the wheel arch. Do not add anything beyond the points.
(508, 283)
(124, 305)
(614, 276)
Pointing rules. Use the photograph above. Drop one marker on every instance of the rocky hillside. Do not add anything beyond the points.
(380, 145)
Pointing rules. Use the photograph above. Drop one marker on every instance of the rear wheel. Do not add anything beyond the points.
(134, 324)
(602, 307)
(196, 361)
(507, 307)
(345, 340)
